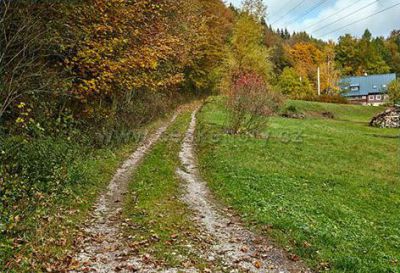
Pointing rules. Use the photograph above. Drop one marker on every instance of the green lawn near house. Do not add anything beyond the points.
(325, 189)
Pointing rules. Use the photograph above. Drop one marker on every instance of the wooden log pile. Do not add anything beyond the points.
(388, 119)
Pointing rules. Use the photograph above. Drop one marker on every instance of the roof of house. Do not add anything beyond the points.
(371, 84)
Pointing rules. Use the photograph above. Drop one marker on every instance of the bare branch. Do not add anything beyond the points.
(20, 53)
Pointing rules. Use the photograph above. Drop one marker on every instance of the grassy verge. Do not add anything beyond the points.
(64, 183)
(326, 189)
(162, 225)
(347, 112)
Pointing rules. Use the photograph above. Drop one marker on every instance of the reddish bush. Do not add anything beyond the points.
(250, 101)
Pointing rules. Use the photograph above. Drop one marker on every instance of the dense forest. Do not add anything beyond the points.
(98, 60)
(298, 55)
(67, 62)
(81, 77)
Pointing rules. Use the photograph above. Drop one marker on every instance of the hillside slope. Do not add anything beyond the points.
(325, 189)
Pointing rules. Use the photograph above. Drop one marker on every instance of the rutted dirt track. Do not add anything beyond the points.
(104, 248)
(237, 248)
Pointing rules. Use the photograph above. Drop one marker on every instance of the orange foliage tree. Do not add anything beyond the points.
(118, 50)
(113, 58)
(306, 57)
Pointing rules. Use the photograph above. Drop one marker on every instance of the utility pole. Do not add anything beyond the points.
(319, 81)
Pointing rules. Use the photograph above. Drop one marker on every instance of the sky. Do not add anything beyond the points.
(329, 19)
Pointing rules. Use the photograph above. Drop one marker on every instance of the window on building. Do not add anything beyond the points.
(378, 97)
(375, 87)
(371, 97)
(355, 88)
(384, 86)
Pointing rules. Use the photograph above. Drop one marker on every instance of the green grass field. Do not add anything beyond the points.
(327, 190)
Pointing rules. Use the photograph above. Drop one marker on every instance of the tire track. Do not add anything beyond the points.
(103, 246)
(237, 248)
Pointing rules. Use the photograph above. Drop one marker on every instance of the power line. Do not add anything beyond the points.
(344, 17)
(362, 19)
(287, 2)
(332, 15)
(287, 13)
(308, 12)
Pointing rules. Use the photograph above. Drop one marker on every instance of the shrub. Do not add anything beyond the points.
(291, 111)
(250, 101)
(31, 173)
(328, 99)
(394, 92)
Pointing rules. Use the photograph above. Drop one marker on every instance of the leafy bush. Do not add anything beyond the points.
(394, 91)
(250, 101)
(328, 99)
(31, 172)
(291, 111)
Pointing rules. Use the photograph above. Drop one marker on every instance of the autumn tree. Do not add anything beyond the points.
(247, 52)
(359, 56)
(280, 58)
(347, 55)
(371, 61)
(293, 85)
(211, 33)
(392, 44)
(248, 72)
(330, 74)
(109, 59)
(305, 58)
(113, 62)
(394, 91)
